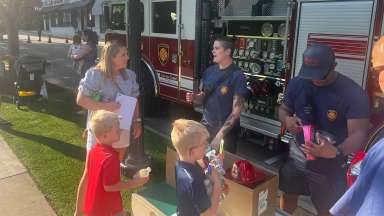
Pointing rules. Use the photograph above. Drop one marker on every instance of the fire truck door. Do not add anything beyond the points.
(187, 47)
(164, 45)
(172, 38)
(346, 26)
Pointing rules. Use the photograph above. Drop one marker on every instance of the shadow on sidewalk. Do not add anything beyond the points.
(67, 149)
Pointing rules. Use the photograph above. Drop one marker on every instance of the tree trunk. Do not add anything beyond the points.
(134, 42)
(12, 28)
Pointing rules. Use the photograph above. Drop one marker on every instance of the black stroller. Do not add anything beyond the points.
(29, 78)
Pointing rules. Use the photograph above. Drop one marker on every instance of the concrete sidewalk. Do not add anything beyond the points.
(19, 194)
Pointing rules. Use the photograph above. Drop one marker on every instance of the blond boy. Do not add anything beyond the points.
(102, 196)
(190, 139)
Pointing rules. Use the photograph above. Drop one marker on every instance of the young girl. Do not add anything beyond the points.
(75, 50)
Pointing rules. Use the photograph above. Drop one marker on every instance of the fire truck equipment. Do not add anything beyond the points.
(275, 43)
(281, 30)
(267, 29)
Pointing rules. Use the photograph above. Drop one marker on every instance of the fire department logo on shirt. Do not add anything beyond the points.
(224, 90)
(163, 50)
(332, 115)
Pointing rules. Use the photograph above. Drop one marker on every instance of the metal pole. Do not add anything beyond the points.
(136, 159)
(179, 50)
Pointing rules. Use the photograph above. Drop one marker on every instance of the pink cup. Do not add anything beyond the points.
(308, 130)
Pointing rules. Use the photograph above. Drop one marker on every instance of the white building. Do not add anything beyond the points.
(66, 17)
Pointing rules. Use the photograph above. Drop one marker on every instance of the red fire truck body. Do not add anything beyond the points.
(271, 36)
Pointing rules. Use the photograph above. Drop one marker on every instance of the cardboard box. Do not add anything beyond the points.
(241, 200)
(160, 199)
(155, 200)
(244, 201)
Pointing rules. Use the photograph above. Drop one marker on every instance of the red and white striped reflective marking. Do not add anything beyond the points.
(350, 47)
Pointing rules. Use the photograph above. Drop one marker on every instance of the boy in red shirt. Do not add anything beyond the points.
(102, 197)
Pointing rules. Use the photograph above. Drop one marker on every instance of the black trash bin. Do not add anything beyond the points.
(7, 74)
(29, 78)
(7, 78)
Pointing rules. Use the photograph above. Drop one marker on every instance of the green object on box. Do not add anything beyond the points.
(162, 196)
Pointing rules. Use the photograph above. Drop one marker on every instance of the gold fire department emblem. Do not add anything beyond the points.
(224, 90)
(163, 50)
(332, 115)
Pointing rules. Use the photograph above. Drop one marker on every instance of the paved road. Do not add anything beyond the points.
(60, 69)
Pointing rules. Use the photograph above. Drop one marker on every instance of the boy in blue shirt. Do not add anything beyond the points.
(190, 139)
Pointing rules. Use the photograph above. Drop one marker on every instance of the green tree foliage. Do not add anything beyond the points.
(9, 15)
(30, 18)
(3, 6)
(12, 13)
(26, 12)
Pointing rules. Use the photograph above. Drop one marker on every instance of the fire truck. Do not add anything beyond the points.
(270, 35)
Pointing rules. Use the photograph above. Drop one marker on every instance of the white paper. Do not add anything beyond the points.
(127, 108)
(124, 141)
(263, 202)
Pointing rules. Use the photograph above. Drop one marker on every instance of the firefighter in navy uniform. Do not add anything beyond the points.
(223, 94)
(339, 107)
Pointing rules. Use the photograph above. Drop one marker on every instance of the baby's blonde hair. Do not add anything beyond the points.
(187, 134)
(102, 122)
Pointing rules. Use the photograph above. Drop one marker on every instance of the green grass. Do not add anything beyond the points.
(46, 137)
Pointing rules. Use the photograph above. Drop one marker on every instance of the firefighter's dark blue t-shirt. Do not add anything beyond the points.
(332, 105)
(191, 193)
(218, 106)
